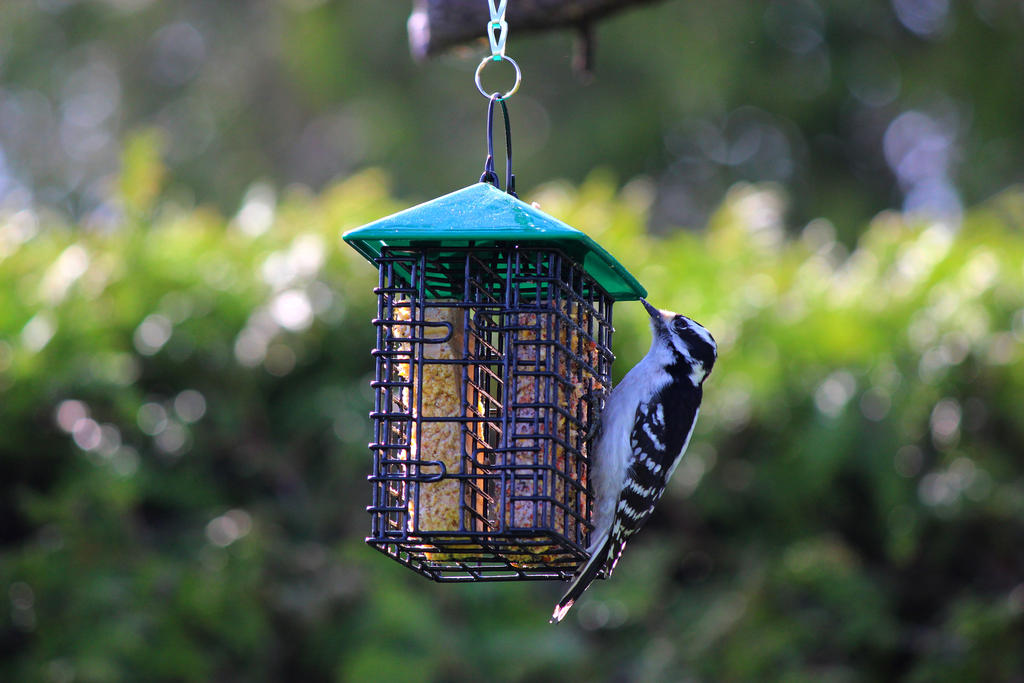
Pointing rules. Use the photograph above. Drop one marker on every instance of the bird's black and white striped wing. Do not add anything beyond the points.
(661, 431)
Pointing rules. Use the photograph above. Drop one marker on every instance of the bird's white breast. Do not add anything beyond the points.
(612, 452)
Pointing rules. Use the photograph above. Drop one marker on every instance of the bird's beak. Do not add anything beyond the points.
(657, 317)
(651, 310)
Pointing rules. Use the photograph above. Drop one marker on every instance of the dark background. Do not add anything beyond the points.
(853, 107)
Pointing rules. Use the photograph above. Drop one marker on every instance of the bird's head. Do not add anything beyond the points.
(686, 339)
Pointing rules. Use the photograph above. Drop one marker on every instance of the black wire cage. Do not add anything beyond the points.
(493, 355)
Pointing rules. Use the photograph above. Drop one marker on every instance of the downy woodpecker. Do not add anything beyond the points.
(642, 434)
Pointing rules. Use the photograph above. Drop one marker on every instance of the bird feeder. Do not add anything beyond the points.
(494, 331)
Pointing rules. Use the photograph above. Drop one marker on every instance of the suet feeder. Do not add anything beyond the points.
(494, 331)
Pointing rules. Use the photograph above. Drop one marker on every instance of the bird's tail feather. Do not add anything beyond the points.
(583, 579)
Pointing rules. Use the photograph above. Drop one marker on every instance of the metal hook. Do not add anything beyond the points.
(498, 58)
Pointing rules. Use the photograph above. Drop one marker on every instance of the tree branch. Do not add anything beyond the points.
(437, 25)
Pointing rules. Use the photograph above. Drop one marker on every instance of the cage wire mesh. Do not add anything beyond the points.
(489, 367)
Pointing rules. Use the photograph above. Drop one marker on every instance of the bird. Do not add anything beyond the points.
(641, 436)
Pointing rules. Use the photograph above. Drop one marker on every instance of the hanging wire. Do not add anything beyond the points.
(499, 25)
(489, 174)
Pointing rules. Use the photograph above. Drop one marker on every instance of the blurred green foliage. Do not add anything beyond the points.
(182, 453)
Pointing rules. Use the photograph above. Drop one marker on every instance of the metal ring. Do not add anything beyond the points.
(498, 58)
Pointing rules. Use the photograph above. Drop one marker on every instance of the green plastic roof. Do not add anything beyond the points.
(483, 215)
